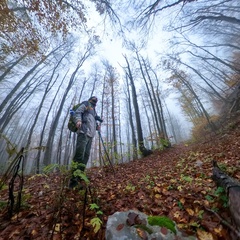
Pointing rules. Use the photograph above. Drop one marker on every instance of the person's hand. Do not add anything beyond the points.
(98, 128)
(78, 124)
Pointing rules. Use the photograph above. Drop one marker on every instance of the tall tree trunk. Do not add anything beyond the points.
(114, 135)
(151, 95)
(204, 79)
(160, 110)
(119, 133)
(38, 158)
(17, 102)
(30, 72)
(150, 138)
(49, 85)
(8, 70)
(134, 139)
(48, 153)
(142, 148)
(196, 98)
(101, 115)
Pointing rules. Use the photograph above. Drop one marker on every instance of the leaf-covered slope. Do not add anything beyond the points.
(175, 182)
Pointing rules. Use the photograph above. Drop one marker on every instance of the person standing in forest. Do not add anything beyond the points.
(85, 119)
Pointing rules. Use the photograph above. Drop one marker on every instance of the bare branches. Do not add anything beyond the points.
(152, 9)
(150, 12)
(220, 17)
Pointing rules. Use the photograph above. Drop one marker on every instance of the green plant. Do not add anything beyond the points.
(79, 173)
(96, 222)
(50, 168)
(222, 166)
(82, 175)
(186, 178)
(130, 187)
(3, 204)
(220, 192)
(148, 179)
(200, 214)
(180, 205)
(93, 206)
(24, 199)
(209, 198)
(162, 221)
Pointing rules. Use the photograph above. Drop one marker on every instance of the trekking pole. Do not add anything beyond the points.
(106, 151)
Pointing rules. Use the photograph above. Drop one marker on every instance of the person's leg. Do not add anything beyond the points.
(78, 158)
(82, 141)
(87, 151)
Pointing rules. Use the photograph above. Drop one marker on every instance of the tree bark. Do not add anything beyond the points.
(8, 70)
(49, 148)
(18, 85)
(134, 139)
(151, 95)
(142, 148)
(232, 189)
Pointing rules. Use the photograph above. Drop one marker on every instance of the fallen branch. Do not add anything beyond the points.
(232, 189)
(224, 222)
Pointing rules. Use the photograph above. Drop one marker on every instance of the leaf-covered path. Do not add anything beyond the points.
(175, 182)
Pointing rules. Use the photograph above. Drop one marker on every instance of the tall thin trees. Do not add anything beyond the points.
(144, 151)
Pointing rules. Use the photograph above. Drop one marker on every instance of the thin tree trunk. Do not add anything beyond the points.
(38, 158)
(160, 111)
(142, 148)
(120, 134)
(30, 72)
(8, 70)
(134, 139)
(17, 102)
(151, 95)
(150, 138)
(48, 153)
(47, 89)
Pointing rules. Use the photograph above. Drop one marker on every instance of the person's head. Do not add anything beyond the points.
(93, 100)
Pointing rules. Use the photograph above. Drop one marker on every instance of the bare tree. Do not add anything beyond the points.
(50, 83)
(150, 94)
(181, 79)
(142, 148)
(48, 153)
(130, 115)
(23, 96)
(25, 77)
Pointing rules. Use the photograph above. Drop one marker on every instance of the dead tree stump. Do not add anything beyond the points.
(232, 189)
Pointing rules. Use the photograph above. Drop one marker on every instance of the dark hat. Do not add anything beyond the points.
(93, 99)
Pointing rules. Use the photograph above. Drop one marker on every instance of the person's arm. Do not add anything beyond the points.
(78, 115)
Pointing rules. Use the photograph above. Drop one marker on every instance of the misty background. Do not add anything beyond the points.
(164, 72)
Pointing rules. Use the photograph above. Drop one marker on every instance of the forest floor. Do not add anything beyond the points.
(175, 182)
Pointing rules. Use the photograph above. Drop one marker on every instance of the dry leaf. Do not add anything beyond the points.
(202, 235)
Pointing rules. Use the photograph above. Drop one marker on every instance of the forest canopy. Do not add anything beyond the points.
(163, 72)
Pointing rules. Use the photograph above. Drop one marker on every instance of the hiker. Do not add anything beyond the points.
(85, 119)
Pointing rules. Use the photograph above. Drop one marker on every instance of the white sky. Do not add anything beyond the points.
(112, 48)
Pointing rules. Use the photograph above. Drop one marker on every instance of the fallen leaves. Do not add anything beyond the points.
(203, 235)
(175, 182)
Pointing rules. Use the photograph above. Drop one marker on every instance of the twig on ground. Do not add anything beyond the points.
(226, 223)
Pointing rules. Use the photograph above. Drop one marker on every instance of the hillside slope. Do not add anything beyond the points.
(175, 182)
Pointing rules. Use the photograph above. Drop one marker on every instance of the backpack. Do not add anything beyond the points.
(71, 123)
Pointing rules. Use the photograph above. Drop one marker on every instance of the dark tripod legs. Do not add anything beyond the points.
(105, 150)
